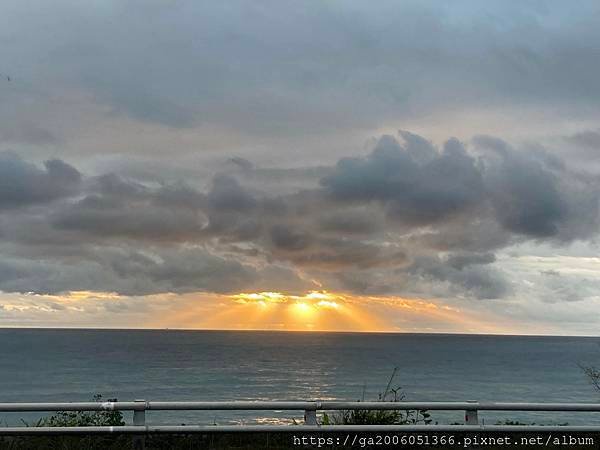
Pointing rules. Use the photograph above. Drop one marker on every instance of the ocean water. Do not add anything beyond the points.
(71, 365)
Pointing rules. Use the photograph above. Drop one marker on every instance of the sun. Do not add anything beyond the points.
(303, 308)
(314, 310)
(323, 311)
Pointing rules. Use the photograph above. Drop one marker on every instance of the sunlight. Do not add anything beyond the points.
(324, 311)
(328, 304)
(302, 308)
(315, 310)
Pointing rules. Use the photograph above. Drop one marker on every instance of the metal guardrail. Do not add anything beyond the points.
(310, 408)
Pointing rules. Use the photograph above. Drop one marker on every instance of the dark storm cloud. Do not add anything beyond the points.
(186, 270)
(351, 221)
(534, 194)
(409, 217)
(418, 194)
(531, 192)
(227, 195)
(23, 184)
(381, 176)
(420, 150)
(233, 212)
(116, 207)
(128, 271)
(460, 261)
(527, 199)
(334, 254)
(287, 239)
(337, 254)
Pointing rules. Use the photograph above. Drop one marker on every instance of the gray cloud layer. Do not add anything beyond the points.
(288, 68)
(408, 218)
(227, 146)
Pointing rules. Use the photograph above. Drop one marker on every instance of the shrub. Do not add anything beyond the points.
(83, 418)
(380, 417)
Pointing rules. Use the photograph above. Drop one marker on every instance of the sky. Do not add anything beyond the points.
(319, 165)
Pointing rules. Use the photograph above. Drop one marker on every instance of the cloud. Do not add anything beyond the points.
(378, 66)
(527, 199)
(28, 133)
(417, 194)
(242, 163)
(336, 254)
(531, 193)
(23, 184)
(243, 133)
(471, 278)
(115, 207)
(353, 221)
(407, 218)
(589, 139)
(420, 149)
(460, 261)
(554, 278)
(128, 271)
(535, 194)
(227, 195)
(287, 239)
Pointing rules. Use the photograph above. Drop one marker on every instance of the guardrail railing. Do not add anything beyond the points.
(139, 407)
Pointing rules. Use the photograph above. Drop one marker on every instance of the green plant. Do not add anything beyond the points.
(513, 422)
(516, 422)
(73, 419)
(593, 374)
(82, 418)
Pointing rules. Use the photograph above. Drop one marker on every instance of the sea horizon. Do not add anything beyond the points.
(426, 333)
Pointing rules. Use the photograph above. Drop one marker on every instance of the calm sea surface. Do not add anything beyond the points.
(72, 365)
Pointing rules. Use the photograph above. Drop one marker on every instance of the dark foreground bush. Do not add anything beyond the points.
(83, 418)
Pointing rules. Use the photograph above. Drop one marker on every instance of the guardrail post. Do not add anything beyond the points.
(471, 415)
(139, 419)
(310, 417)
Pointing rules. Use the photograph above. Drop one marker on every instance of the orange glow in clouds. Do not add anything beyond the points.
(312, 311)
(323, 311)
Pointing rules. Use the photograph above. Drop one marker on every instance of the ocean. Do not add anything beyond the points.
(72, 365)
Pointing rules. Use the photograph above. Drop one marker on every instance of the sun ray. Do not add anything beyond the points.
(325, 311)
